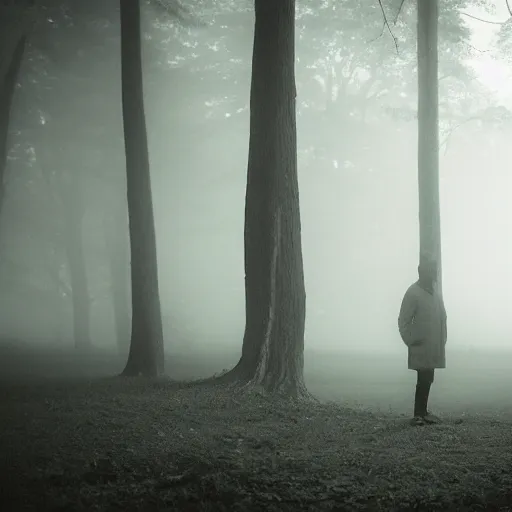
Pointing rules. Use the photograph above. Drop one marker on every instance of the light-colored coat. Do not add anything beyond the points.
(422, 326)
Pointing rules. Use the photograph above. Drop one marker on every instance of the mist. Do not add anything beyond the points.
(255, 255)
(359, 212)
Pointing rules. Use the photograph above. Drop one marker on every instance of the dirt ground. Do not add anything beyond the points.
(74, 439)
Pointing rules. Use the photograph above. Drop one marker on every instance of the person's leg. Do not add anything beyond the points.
(429, 418)
(428, 377)
(417, 396)
(422, 391)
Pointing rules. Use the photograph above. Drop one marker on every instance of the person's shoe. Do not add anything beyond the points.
(431, 418)
(417, 421)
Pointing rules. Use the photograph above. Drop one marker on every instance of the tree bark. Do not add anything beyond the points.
(428, 135)
(273, 345)
(146, 356)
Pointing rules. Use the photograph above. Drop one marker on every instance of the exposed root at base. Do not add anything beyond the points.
(239, 386)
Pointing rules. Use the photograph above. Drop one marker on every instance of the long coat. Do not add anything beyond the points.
(422, 326)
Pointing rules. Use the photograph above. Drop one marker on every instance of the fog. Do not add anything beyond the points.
(360, 244)
(358, 192)
(95, 417)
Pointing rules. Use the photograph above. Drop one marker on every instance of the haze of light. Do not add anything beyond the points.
(360, 233)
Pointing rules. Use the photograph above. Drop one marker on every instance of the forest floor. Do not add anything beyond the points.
(117, 444)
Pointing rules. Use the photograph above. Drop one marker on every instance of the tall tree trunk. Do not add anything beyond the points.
(273, 345)
(117, 252)
(428, 135)
(146, 355)
(16, 19)
(7, 88)
(66, 194)
(73, 211)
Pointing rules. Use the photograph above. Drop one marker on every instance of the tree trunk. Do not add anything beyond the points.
(428, 135)
(146, 356)
(16, 19)
(117, 252)
(7, 88)
(66, 194)
(73, 238)
(273, 345)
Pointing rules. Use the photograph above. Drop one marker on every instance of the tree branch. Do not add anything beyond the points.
(452, 130)
(485, 21)
(398, 12)
(385, 24)
(176, 10)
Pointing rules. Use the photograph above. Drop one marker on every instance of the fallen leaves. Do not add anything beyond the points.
(137, 445)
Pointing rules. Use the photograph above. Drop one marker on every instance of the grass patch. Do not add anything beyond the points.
(132, 445)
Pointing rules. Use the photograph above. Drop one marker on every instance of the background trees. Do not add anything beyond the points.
(16, 20)
(60, 87)
(357, 155)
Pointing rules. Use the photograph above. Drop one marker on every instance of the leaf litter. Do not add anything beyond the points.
(129, 444)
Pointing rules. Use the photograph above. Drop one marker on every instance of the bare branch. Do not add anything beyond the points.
(385, 24)
(485, 21)
(445, 142)
(508, 7)
(380, 35)
(475, 48)
(489, 114)
(398, 12)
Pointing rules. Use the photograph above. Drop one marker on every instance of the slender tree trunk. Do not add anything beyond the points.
(146, 355)
(66, 192)
(273, 345)
(16, 20)
(79, 289)
(7, 88)
(428, 135)
(117, 251)
(72, 201)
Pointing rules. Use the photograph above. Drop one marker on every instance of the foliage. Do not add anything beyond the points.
(504, 40)
(208, 62)
(349, 72)
(346, 37)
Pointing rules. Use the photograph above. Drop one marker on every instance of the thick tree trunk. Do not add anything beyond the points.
(78, 279)
(273, 346)
(117, 251)
(146, 355)
(7, 88)
(428, 135)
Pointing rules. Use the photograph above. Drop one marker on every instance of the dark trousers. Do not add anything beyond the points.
(425, 379)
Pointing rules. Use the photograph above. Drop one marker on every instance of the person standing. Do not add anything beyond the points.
(422, 327)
